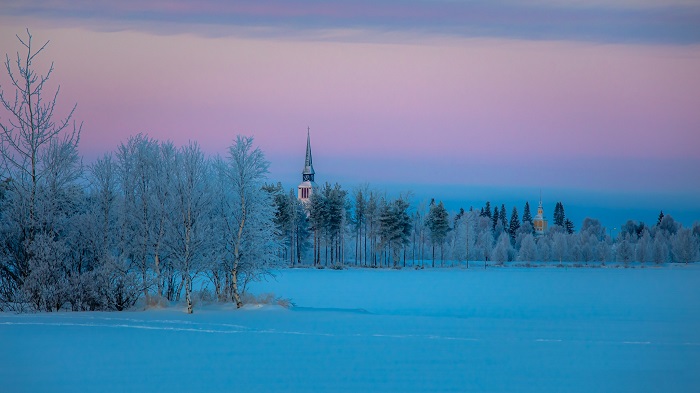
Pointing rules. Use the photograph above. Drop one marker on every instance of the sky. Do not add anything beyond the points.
(592, 103)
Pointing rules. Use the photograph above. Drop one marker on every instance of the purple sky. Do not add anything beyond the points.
(595, 104)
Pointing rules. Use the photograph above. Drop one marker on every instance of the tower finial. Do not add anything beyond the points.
(308, 173)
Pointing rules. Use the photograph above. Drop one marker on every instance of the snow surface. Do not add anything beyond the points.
(512, 329)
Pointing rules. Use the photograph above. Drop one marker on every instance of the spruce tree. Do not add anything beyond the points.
(559, 217)
(514, 223)
(527, 216)
(569, 226)
(504, 217)
(486, 210)
(661, 217)
(494, 220)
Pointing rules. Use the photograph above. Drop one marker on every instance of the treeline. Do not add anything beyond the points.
(147, 220)
(366, 228)
(141, 223)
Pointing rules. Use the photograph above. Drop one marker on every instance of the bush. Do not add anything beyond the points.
(266, 298)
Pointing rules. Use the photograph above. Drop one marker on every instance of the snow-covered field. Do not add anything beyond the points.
(499, 329)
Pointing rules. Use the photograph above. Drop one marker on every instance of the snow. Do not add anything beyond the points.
(496, 329)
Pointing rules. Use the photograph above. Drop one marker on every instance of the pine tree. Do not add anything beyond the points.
(359, 221)
(438, 226)
(514, 223)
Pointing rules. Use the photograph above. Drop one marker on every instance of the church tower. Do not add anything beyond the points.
(307, 186)
(540, 222)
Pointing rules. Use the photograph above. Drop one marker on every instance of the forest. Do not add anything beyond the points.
(150, 220)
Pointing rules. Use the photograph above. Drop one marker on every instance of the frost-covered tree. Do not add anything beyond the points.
(248, 215)
(544, 249)
(167, 171)
(503, 249)
(359, 219)
(189, 230)
(37, 152)
(587, 245)
(685, 246)
(560, 249)
(593, 227)
(528, 249)
(659, 249)
(137, 162)
(624, 249)
(643, 247)
(484, 242)
(668, 225)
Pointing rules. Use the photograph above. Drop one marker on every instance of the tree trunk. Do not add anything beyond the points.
(188, 292)
(234, 286)
(237, 255)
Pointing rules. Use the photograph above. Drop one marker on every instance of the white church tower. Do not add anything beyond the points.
(307, 186)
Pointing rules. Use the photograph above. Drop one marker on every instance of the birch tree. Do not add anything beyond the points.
(250, 214)
(189, 230)
(30, 137)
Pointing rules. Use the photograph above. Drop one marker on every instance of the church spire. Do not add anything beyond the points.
(308, 174)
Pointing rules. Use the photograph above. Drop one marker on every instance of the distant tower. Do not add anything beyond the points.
(306, 188)
(540, 222)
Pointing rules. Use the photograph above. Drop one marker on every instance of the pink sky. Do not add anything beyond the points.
(391, 106)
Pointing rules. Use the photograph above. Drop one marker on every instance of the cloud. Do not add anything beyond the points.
(624, 22)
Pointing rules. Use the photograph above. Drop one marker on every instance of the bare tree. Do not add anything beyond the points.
(31, 126)
(29, 136)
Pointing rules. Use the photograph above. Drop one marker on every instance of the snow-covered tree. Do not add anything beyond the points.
(685, 246)
(248, 215)
(659, 249)
(528, 249)
(560, 249)
(503, 249)
(37, 159)
(624, 249)
(188, 232)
